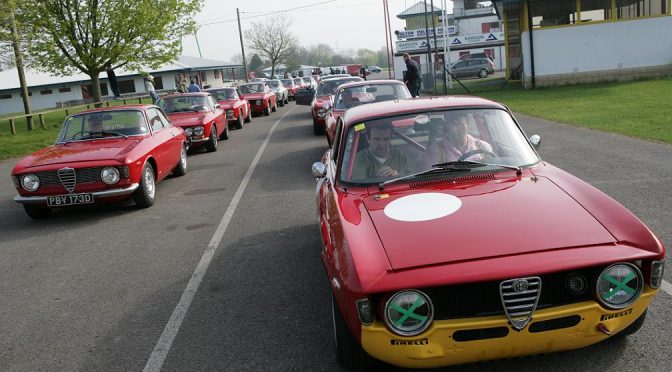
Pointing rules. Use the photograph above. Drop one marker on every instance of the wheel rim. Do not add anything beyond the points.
(183, 158)
(149, 182)
(213, 134)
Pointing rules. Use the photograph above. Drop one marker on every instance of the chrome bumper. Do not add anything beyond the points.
(98, 194)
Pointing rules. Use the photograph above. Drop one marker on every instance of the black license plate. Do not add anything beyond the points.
(72, 199)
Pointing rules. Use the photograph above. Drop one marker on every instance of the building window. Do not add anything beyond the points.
(45, 92)
(126, 86)
(64, 90)
(204, 76)
(87, 90)
(216, 74)
(490, 27)
(626, 9)
(553, 13)
(595, 10)
(5, 96)
(29, 94)
(158, 83)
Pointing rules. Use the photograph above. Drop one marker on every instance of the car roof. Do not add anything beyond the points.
(117, 108)
(410, 105)
(370, 82)
(192, 94)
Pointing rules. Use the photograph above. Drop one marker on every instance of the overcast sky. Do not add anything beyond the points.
(343, 24)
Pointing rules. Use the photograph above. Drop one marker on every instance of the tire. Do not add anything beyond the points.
(36, 213)
(145, 195)
(267, 110)
(225, 133)
(239, 122)
(249, 117)
(349, 352)
(211, 145)
(275, 107)
(281, 103)
(286, 100)
(181, 167)
(317, 129)
(483, 74)
(634, 327)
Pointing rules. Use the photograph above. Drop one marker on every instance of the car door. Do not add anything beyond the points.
(243, 104)
(458, 68)
(219, 116)
(163, 143)
(175, 151)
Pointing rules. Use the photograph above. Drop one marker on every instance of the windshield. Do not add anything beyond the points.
(103, 124)
(224, 94)
(307, 79)
(298, 81)
(182, 103)
(252, 88)
(354, 96)
(382, 149)
(288, 82)
(329, 87)
(274, 83)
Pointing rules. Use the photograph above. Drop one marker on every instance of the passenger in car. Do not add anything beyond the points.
(380, 159)
(456, 142)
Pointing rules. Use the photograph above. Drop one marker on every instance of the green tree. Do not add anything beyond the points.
(255, 64)
(367, 57)
(272, 40)
(91, 35)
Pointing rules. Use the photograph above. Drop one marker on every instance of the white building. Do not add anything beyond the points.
(556, 42)
(473, 27)
(48, 91)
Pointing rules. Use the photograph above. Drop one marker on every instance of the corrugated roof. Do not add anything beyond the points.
(418, 8)
(9, 79)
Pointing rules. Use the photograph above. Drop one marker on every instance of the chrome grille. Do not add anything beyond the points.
(68, 178)
(83, 175)
(519, 298)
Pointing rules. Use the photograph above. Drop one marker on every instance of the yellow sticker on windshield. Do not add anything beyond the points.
(360, 127)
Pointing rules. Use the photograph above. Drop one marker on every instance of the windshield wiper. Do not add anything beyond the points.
(438, 168)
(114, 134)
(457, 163)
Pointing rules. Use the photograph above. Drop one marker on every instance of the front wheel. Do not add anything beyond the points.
(317, 129)
(286, 100)
(267, 110)
(225, 133)
(275, 107)
(239, 122)
(483, 74)
(211, 145)
(145, 195)
(349, 352)
(36, 213)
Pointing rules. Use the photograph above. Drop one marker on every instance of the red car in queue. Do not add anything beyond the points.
(261, 97)
(291, 86)
(237, 108)
(201, 118)
(354, 94)
(447, 240)
(102, 155)
(324, 99)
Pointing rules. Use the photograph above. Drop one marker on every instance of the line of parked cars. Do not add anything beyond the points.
(115, 153)
(447, 240)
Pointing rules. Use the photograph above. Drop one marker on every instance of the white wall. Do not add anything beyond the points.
(602, 46)
(469, 26)
(39, 101)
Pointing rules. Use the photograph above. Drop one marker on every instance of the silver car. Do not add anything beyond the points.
(281, 93)
(476, 67)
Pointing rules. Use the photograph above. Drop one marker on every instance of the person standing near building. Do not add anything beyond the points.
(183, 84)
(193, 87)
(114, 85)
(149, 86)
(412, 78)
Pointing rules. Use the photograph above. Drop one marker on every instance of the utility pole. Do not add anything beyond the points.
(429, 50)
(197, 43)
(242, 47)
(436, 45)
(16, 44)
(446, 49)
(388, 39)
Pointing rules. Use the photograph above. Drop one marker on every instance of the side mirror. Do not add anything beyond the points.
(217, 105)
(535, 140)
(319, 170)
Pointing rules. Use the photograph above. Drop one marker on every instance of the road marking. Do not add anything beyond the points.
(165, 342)
(666, 287)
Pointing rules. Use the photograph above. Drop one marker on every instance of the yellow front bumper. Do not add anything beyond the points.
(436, 347)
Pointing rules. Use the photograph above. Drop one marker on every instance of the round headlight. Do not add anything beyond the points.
(110, 175)
(198, 131)
(408, 313)
(619, 285)
(30, 182)
(189, 131)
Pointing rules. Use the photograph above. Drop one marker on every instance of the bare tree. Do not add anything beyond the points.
(272, 40)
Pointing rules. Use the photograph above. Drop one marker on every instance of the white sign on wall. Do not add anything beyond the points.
(410, 34)
(453, 41)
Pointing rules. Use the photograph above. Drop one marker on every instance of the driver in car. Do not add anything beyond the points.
(380, 159)
(96, 124)
(456, 144)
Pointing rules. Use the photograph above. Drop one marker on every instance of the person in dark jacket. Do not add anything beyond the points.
(412, 78)
(362, 72)
(114, 85)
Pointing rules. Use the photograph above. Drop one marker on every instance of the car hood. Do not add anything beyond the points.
(227, 104)
(489, 219)
(73, 152)
(253, 96)
(187, 119)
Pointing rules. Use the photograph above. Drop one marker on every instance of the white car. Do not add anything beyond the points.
(281, 93)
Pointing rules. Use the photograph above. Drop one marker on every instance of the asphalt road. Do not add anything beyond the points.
(93, 288)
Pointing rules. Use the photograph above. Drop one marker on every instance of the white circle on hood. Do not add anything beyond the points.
(422, 207)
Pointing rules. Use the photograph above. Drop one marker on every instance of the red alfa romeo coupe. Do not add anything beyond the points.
(102, 155)
(262, 99)
(202, 119)
(324, 99)
(447, 240)
(232, 102)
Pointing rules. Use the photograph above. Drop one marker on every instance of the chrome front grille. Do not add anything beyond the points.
(82, 175)
(68, 178)
(519, 298)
